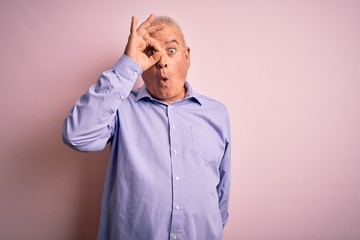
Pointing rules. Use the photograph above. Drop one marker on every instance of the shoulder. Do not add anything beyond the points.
(209, 102)
(215, 113)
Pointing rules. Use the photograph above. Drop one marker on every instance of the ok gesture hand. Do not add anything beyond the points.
(140, 39)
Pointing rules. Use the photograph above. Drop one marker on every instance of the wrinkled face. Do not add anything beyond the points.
(166, 79)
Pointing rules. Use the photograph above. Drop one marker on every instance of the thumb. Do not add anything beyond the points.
(133, 25)
(155, 57)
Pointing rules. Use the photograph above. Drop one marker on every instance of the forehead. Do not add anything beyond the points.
(168, 34)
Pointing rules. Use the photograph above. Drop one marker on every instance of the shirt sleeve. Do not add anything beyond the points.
(91, 121)
(223, 187)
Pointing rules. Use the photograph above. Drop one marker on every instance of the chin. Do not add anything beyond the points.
(164, 96)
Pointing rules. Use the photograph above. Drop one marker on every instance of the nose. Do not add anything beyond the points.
(162, 63)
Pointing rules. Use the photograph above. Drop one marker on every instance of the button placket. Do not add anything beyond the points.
(176, 157)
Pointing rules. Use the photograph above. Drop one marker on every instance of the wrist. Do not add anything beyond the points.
(128, 68)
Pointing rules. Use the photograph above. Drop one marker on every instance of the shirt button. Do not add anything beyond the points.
(174, 237)
(135, 73)
(175, 151)
(177, 207)
(177, 178)
(174, 127)
(122, 97)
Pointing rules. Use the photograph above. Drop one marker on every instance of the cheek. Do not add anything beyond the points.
(147, 79)
(182, 71)
(148, 74)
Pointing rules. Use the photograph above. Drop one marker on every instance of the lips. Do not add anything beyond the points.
(163, 76)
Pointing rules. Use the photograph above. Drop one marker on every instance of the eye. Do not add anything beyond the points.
(150, 52)
(172, 50)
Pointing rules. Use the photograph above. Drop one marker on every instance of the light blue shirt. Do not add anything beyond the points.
(169, 171)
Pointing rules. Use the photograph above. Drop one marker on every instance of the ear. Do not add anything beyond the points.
(187, 56)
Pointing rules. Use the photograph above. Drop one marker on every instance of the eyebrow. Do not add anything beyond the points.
(172, 41)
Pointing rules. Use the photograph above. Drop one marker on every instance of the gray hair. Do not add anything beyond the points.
(172, 22)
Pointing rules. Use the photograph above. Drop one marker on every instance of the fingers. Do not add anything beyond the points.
(133, 25)
(158, 51)
(144, 26)
(155, 28)
(141, 41)
(154, 44)
(147, 27)
(147, 22)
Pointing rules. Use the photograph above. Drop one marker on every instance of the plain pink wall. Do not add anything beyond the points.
(287, 70)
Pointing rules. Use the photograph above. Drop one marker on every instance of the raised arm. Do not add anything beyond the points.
(91, 122)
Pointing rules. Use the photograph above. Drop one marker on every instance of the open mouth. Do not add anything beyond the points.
(164, 77)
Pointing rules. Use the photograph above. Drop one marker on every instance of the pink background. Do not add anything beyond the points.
(289, 72)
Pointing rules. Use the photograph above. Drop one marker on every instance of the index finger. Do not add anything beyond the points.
(147, 23)
(155, 28)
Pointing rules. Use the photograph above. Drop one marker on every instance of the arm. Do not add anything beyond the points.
(223, 187)
(91, 122)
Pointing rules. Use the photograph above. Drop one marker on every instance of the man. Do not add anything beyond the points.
(169, 172)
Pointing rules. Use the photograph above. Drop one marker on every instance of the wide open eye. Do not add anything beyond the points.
(172, 50)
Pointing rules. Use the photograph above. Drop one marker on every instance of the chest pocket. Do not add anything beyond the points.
(207, 143)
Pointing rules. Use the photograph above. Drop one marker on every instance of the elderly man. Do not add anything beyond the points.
(169, 172)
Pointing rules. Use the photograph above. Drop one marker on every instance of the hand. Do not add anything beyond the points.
(140, 39)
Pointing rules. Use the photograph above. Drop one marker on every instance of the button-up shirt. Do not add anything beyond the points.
(169, 171)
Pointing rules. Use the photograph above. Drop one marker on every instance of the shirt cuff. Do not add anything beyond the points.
(127, 68)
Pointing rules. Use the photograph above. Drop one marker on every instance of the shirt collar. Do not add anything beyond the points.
(190, 94)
